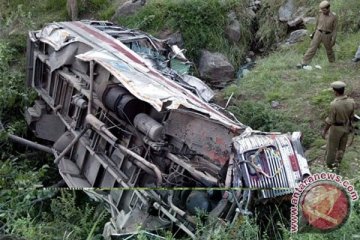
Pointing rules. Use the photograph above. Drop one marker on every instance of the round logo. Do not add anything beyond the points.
(325, 205)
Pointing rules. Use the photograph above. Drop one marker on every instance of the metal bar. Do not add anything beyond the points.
(143, 161)
(100, 127)
(29, 143)
(114, 172)
(178, 210)
(195, 173)
(73, 142)
(228, 101)
(91, 86)
(229, 172)
(173, 219)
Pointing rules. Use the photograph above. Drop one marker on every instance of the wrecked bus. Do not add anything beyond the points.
(122, 112)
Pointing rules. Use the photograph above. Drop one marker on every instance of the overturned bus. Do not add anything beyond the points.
(121, 112)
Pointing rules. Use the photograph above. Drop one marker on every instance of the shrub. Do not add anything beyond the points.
(97, 9)
(201, 23)
(348, 15)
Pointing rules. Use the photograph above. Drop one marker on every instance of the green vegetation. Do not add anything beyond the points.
(243, 228)
(270, 29)
(51, 214)
(200, 22)
(302, 95)
(96, 9)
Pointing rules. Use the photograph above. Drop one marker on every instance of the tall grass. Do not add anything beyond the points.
(270, 30)
(51, 214)
(348, 14)
(201, 23)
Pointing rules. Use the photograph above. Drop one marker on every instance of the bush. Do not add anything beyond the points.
(348, 15)
(201, 23)
(271, 30)
(97, 9)
(243, 228)
(13, 95)
(261, 117)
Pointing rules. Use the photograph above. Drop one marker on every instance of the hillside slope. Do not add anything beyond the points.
(301, 97)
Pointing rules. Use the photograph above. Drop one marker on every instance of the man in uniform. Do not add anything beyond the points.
(325, 32)
(339, 123)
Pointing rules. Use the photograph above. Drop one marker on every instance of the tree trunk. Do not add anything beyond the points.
(72, 8)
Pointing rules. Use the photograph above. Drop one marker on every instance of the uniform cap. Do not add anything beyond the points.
(324, 4)
(338, 85)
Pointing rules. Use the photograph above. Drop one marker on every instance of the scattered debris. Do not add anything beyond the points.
(307, 67)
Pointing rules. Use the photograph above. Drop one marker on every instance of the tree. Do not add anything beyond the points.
(73, 10)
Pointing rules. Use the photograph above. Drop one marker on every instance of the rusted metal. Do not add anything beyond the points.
(31, 144)
(67, 149)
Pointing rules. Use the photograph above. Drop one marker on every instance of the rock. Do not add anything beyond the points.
(309, 20)
(295, 22)
(275, 104)
(286, 11)
(300, 12)
(294, 16)
(215, 67)
(297, 36)
(251, 54)
(176, 39)
(127, 9)
(232, 30)
(250, 12)
(232, 16)
(255, 5)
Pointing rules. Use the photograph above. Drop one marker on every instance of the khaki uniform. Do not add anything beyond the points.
(341, 113)
(325, 33)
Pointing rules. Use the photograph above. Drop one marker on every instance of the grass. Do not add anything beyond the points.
(51, 214)
(201, 23)
(304, 96)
